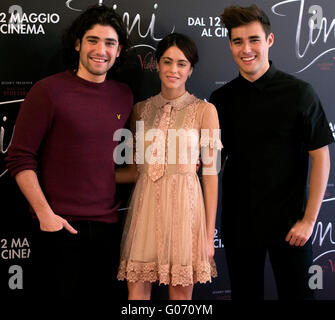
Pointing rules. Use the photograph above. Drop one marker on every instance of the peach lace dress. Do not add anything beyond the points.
(164, 237)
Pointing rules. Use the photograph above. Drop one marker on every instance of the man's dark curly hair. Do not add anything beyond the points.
(97, 14)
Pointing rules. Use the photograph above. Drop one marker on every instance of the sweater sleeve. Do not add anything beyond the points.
(32, 123)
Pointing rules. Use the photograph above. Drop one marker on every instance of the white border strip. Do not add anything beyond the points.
(13, 101)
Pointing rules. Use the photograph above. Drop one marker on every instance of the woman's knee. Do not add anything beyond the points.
(139, 290)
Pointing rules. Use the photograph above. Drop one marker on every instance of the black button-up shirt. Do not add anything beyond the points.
(268, 127)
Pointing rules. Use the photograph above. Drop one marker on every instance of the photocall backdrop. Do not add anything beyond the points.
(30, 34)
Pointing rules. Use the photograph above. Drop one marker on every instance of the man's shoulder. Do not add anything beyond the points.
(291, 80)
(55, 77)
(47, 84)
(224, 90)
(53, 80)
(121, 87)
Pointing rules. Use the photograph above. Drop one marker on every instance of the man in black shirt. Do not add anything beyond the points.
(272, 123)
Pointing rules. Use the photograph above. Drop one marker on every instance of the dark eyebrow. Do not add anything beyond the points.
(168, 58)
(236, 39)
(92, 37)
(97, 38)
(254, 37)
(250, 38)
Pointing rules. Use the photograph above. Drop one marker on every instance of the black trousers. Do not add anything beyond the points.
(79, 266)
(290, 266)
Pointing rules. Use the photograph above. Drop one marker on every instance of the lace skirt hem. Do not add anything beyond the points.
(165, 274)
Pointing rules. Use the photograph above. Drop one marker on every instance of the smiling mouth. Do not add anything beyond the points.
(172, 78)
(248, 59)
(99, 60)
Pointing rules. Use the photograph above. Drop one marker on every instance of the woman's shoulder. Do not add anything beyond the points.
(141, 108)
(204, 106)
(142, 103)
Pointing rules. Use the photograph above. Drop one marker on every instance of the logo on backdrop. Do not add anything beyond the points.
(73, 6)
(3, 149)
(321, 32)
(16, 21)
(145, 51)
(324, 238)
(6, 132)
(332, 128)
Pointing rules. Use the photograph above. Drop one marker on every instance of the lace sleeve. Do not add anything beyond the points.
(210, 141)
(210, 128)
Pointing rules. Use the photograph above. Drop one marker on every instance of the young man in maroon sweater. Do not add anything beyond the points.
(62, 159)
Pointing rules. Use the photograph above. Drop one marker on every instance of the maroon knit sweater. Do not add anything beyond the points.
(64, 132)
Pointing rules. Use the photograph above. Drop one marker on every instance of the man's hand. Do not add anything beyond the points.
(49, 221)
(300, 233)
(55, 223)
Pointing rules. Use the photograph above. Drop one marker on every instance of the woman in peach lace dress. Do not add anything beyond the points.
(169, 230)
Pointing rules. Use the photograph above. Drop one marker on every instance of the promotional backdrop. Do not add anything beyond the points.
(30, 37)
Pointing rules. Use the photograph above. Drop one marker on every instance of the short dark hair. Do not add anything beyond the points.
(236, 16)
(183, 42)
(97, 14)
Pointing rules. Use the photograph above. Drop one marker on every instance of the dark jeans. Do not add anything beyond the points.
(79, 266)
(290, 266)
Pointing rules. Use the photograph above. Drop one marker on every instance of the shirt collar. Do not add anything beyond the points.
(179, 103)
(263, 80)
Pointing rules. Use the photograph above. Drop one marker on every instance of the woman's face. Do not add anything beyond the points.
(174, 69)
